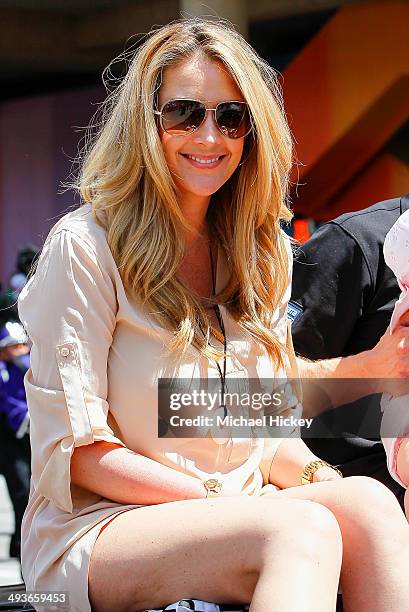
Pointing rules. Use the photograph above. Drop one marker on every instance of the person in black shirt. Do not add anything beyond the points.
(343, 296)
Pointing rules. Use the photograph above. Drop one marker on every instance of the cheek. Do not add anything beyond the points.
(171, 145)
(236, 152)
(168, 150)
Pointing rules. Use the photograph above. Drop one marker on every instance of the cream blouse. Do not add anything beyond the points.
(95, 362)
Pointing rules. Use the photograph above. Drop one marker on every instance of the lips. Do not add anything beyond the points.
(203, 161)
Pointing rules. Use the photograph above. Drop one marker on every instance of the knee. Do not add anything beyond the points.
(308, 527)
(317, 520)
(365, 494)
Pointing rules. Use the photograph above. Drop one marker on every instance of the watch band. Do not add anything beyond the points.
(311, 467)
(213, 487)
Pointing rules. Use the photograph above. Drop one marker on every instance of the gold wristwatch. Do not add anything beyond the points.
(213, 487)
(311, 467)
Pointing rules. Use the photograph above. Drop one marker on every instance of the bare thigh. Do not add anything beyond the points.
(353, 500)
(375, 537)
(204, 549)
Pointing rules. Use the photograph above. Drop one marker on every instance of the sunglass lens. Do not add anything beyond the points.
(233, 119)
(181, 116)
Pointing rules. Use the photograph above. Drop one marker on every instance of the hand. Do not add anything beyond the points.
(390, 357)
(325, 473)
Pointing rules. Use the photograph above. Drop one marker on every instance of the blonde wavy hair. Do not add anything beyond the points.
(125, 179)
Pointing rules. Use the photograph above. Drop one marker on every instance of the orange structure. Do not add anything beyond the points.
(384, 178)
(346, 93)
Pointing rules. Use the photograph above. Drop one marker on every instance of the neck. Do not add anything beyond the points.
(194, 210)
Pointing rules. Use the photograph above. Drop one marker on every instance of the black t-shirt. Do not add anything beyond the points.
(343, 296)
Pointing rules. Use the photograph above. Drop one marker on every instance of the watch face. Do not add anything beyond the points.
(213, 485)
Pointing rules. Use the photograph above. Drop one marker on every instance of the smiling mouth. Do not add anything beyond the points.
(203, 161)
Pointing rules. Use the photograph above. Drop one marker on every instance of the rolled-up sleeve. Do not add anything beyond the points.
(69, 311)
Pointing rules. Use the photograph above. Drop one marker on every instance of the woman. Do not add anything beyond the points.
(185, 186)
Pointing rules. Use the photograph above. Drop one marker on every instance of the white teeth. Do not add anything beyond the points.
(204, 161)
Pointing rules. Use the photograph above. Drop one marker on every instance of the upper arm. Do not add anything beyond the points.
(69, 311)
(329, 275)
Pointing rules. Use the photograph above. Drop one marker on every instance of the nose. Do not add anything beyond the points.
(208, 132)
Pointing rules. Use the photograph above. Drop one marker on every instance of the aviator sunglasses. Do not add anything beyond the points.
(184, 116)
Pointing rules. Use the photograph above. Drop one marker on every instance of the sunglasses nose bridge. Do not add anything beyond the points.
(209, 126)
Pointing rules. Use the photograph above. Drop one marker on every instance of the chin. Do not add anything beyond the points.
(203, 189)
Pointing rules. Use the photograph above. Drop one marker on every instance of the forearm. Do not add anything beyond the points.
(354, 366)
(119, 474)
(337, 381)
(289, 462)
(389, 359)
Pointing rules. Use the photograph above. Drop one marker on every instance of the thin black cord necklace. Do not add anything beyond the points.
(222, 373)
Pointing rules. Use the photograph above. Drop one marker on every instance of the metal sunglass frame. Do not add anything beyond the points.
(214, 110)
